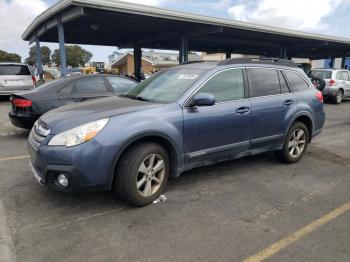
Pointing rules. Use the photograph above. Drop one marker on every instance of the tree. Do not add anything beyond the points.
(76, 56)
(114, 56)
(45, 55)
(9, 57)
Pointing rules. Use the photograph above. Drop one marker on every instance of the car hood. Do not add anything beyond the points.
(73, 115)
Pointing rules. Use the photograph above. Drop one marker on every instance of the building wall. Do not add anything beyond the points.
(128, 67)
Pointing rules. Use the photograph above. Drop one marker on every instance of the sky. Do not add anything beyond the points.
(331, 17)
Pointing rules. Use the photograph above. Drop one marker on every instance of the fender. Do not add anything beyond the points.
(177, 161)
(297, 115)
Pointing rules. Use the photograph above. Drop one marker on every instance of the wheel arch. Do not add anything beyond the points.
(306, 119)
(168, 143)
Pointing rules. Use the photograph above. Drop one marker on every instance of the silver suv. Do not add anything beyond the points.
(334, 83)
(15, 77)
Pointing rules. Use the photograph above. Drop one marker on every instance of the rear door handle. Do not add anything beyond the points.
(288, 102)
(242, 110)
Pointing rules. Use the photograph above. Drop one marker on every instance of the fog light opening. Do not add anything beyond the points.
(62, 180)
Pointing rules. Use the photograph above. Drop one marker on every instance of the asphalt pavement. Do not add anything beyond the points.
(253, 208)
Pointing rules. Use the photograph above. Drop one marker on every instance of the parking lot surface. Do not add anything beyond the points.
(227, 212)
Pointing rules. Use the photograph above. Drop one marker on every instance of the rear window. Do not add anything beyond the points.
(296, 81)
(322, 74)
(14, 70)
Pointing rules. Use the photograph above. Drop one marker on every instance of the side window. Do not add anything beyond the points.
(345, 76)
(297, 83)
(283, 83)
(263, 82)
(339, 76)
(225, 86)
(119, 84)
(67, 89)
(90, 85)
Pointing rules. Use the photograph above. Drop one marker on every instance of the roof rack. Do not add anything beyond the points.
(272, 61)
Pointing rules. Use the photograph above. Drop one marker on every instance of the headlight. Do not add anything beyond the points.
(78, 135)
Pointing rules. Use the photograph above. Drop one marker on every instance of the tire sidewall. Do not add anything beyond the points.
(288, 158)
(339, 93)
(132, 194)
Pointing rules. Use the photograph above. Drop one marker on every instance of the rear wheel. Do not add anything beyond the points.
(142, 173)
(338, 98)
(295, 144)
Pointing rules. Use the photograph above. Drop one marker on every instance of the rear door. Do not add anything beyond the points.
(346, 80)
(88, 88)
(15, 77)
(271, 101)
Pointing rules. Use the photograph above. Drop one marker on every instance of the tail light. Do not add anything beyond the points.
(331, 82)
(34, 80)
(319, 96)
(21, 102)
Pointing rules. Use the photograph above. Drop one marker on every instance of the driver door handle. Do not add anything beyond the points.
(242, 110)
(288, 102)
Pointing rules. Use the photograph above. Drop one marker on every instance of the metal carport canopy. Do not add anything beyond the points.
(123, 24)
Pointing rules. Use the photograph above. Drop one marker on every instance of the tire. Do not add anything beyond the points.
(338, 98)
(135, 182)
(318, 83)
(287, 154)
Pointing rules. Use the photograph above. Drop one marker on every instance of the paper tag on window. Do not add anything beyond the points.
(187, 77)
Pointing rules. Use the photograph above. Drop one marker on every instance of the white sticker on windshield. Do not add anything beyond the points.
(187, 76)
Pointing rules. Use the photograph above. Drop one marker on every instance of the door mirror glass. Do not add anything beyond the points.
(203, 99)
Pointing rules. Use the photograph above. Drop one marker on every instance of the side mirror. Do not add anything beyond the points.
(203, 99)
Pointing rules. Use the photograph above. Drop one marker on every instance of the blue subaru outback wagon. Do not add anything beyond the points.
(191, 115)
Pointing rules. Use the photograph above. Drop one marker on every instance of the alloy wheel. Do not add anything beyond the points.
(297, 143)
(150, 175)
(339, 97)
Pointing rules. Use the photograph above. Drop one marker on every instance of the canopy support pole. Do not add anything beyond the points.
(39, 64)
(61, 41)
(137, 62)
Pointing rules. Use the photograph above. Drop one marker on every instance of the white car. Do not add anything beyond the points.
(334, 83)
(15, 77)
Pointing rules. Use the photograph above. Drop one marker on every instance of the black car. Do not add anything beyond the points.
(28, 106)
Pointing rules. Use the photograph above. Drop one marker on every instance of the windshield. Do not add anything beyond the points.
(166, 86)
(322, 74)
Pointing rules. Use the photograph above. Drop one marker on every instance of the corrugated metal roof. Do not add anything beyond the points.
(127, 7)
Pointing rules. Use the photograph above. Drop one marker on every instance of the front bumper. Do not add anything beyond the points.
(87, 167)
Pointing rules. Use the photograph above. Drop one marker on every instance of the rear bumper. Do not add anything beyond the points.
(329, 92)
(5, 91)
(25, 121)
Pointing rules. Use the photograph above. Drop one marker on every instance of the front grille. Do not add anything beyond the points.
(37, 136)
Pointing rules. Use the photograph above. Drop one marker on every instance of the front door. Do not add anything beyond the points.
(221, 130)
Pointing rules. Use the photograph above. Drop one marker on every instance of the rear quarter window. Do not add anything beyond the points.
(297, 83)
(14, 70)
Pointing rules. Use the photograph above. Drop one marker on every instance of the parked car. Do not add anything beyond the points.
(188, 116)
(28, 106)
(334, 83)
(15, 77)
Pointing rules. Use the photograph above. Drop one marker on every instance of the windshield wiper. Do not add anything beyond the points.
(140, 98)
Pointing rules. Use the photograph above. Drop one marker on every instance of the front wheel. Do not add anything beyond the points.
(142, 173)
(295, 144)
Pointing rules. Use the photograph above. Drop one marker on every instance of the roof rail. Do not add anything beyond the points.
(265, 60)
(192, 62)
